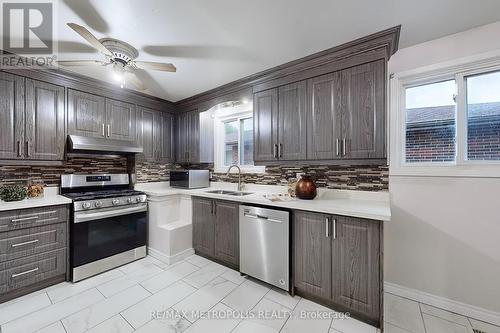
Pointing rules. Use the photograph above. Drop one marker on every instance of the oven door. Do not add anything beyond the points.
(99, 234)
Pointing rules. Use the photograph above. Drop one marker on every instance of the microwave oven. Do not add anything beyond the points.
(189, 179)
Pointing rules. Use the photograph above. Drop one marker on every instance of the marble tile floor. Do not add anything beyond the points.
(197, 295)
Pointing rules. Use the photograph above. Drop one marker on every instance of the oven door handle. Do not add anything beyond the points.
(84, 217)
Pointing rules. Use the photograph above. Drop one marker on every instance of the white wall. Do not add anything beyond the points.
(444, 237)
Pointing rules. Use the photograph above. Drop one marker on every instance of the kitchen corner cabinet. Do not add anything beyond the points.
(216, 230)
(338, 262)
(194, 137)
(97, 116)
(31, 119)
(155, 134)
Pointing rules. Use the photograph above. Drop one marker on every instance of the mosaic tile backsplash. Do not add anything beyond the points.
(365, 178)
(51, 175)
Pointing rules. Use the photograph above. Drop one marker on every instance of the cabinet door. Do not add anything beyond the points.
(165, 137)
(11, 116)
(181, 151)
(265, 124)
(363, 114)
(120, 120)
(147, 128)
(323, 117)
(86, 114)
(193, 137)
(313, 251)
(292, 119)
(227, 243)
(45, 135)
(203, 226)
(356, 266)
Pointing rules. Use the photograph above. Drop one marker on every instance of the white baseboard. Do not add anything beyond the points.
(170, 259)
(463, 309)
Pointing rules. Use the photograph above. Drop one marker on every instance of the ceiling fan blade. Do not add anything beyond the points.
(81, 62)
(87, 35)
(157, 66)
(132, 78)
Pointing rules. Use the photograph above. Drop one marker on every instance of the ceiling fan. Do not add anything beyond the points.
(120, 55)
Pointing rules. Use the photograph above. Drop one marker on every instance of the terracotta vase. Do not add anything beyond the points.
(306, 188)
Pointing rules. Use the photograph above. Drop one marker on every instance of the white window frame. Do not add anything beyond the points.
(219, 152)
(457, 70)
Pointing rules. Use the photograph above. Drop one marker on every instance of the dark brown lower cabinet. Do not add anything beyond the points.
(338, 263)
(216, 230)
(33, 249)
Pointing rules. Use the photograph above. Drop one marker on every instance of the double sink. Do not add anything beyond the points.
(233, 193)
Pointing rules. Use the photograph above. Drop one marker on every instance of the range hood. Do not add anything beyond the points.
(103, 145)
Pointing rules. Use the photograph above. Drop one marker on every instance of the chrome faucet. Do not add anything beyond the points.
(239, 175)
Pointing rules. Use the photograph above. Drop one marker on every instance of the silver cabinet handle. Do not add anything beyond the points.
(28, 153)
(109, 130)
(25, 243)
(344, 147)
(24, 219)
(334, 228)
(18, 148)
(103, 134)
(25, 272)
(327, 227)
(280, 150)
(337, 146)
(260, 217)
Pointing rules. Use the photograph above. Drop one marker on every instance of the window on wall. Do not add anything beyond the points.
(431, 122)
(483, 117)
(448, 121)
(234, 138)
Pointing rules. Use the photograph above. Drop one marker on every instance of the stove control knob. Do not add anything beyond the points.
(98, 204)
(130, 200)
(86, 205)
(115, 202)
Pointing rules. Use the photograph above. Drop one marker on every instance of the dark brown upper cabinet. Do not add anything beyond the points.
(31, 119)
(45, 116)
(86, 114)
(97, 116)
(120, 120)
(323, 117)
(194, 137)
(363, 113)
(155, 134)
(11, 116)
(346, 115)
(165, 138)
(265, 120)
(292, 117)
(280, 124)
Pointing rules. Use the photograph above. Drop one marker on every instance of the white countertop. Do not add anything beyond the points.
(363, 204)
(50, 198)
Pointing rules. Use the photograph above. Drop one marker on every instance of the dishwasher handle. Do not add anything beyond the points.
(261, 217)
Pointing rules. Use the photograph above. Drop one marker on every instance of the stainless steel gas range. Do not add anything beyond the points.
(108, 222)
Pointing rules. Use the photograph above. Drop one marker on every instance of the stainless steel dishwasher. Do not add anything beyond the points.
(264, 245)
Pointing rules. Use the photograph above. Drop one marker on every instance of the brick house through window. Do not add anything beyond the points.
(430, 133)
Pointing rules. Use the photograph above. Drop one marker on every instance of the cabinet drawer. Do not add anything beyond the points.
(19, 273)
(25, 242)
(33, 217)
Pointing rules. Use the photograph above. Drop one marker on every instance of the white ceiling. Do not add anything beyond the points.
(213, 42)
